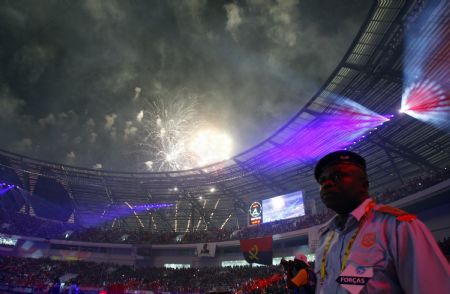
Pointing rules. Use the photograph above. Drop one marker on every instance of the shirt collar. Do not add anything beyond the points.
(359, 211)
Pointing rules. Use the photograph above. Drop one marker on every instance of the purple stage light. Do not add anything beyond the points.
(5, 187)
(341, 126)
(151, 206)
(4, 190)
(117, 211)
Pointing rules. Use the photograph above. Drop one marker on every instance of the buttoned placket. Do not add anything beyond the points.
(340, 240)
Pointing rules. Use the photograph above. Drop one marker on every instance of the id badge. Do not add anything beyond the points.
(354, 278)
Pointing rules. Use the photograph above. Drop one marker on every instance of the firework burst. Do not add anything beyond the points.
(167, 122)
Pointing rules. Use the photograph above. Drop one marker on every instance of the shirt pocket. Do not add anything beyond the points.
(374, 258)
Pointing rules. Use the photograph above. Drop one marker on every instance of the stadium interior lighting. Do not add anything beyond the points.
(344, 124)
(5, 187)
(426, 93)
(212, 190)
(118, 211)
(151, 206)
(426, 101)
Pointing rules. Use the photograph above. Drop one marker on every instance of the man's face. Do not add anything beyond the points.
(343, 187)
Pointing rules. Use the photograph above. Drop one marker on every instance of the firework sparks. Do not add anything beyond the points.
(173, 137)
(166, 125)
(210, 146)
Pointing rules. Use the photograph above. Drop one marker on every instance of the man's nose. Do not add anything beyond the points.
(326, 183)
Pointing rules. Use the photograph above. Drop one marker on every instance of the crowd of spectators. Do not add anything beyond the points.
(40, 273)
(413, 185)
(26, 225)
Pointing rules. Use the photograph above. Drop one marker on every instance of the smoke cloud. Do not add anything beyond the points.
(75, 74)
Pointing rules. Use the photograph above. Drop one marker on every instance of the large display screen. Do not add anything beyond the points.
(283, 207)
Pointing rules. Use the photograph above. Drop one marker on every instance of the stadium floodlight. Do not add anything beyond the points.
(5, 188)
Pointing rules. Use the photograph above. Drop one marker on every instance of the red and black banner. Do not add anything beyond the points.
(258, 250)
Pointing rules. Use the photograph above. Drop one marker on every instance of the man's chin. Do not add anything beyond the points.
(331, 200)
(339, 207)
(336, 206)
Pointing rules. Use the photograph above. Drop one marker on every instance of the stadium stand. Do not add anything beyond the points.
(26, 225)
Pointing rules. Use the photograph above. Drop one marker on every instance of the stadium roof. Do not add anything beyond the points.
(402, 46)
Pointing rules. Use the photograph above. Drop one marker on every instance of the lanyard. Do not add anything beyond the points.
(323, 270)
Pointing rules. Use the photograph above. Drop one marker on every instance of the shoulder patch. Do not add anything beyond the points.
(401, 215)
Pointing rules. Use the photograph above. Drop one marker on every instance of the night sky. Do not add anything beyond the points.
(75, 74)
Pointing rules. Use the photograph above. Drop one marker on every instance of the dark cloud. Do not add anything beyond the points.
(71, 69)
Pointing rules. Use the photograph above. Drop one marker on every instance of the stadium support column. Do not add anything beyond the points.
(310, 205)
(26, 184)
(150, 224)
(191, 225)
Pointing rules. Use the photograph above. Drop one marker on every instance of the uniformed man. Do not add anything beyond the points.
(367, 247)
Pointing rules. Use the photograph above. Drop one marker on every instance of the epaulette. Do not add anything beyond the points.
(401, 215)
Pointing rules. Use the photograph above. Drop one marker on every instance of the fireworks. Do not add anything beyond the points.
(174, 136)
(210, 146)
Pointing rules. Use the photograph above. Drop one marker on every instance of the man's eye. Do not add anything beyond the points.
(337, 177)
(332, 177)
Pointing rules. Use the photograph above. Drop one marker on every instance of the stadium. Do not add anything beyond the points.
(143, 232)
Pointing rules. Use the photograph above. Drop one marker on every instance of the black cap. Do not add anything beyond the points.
(338, 157)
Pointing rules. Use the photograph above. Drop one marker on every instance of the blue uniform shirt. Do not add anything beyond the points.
(402, 254)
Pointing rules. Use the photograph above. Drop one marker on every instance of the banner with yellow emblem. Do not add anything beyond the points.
(258, 250)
